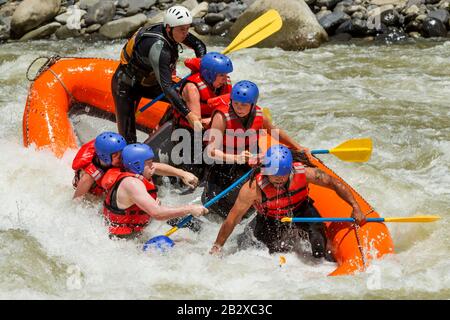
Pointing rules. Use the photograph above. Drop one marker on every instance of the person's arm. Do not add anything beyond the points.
(191, 96)
(247, 196)
(188, 178)
(215, 144)
(84, 185)
(195, 44)
(320, 178)
(132, 191)
(284, 137)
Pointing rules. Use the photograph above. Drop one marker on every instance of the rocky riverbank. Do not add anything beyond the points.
(306, 23)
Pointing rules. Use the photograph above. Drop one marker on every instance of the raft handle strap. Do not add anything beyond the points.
(71, 98)
(48, 63)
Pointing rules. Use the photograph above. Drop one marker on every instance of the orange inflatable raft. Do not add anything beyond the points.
(46, 124)
(62, 82)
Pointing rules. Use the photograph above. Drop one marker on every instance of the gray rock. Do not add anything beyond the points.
(122, 4)
(358, 15)
(86, 4)
(93, 28)
(190, 4)
(7, 10)
(310, 3)
(41, 32)
(322, 13)
(444, 4)
(414, 2)
(216, 7)
(233, 11)
(300, 28)
(64, 32)
(441, 15)
(62, 18)
(413, 26)
(157, 18)
(31, 14)
(390, 18)
(412, 10)
(202, 29)
(330, 4)
(2, 2)
(392, 35)
(101, 12)
(432, 27)
(355, 27)
(213, 18)
(5, 28)
(415, 35)
(137, 6)
(221, 28)
(341, 37)
(352, 9)
(123, 27)
(333, 20)
(201, 10)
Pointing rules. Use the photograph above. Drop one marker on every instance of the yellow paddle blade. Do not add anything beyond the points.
(355, 150)
(168, 233)
(259, 29)
(266, 112)
(286, 219)
(412, 219)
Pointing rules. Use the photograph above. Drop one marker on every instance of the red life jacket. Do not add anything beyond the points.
(206, 92)
(84, 160)
(129, 220)
(278, 203)
(238, 138)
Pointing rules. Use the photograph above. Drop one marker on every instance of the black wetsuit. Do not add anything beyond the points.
(148, 73)
(281, 237)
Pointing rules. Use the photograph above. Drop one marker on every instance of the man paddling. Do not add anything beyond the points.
(131, 201)
(280, 189)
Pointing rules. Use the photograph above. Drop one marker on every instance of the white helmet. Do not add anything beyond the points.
(177, 16)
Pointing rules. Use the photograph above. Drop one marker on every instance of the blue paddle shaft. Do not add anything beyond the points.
(334, 220)
(148, 105)
(217, 198)
(320, 151)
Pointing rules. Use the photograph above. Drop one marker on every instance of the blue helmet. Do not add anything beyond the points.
(277, 161)
(134, 155)
(108, 143)
(214, 63)
(245, 92)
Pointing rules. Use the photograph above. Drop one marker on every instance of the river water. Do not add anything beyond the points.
(398, 95)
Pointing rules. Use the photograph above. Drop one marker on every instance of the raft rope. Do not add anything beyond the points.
(361, 249)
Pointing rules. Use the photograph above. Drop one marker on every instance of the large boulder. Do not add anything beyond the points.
(31, 14)
(41, 32)
(100, 13)
(300, 27)
(123, 28)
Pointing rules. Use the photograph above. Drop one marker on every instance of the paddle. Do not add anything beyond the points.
(391, 219)
(264, 26)
(355, 150)
(163, 242)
